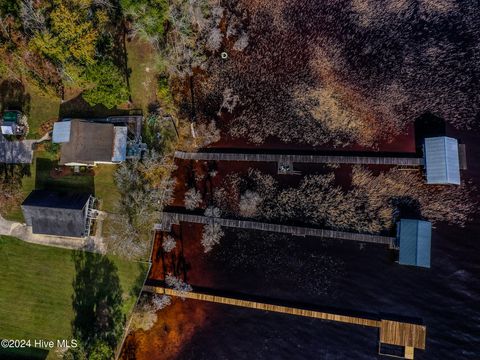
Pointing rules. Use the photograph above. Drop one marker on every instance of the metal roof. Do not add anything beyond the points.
(414, 237)
(441, 160)
(119, 143)
(8, 128)
(61, 132)
(56, 213)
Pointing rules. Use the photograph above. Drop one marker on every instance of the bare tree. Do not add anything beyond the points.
(168, 243)
(241, 43)
(160, 301)
(230, 100)
(207, 134)
(250, 202)
(193, 198)
(124, 239)
(178, 285)
(211, 236)
(145, 313)
(32, 18)
(213, 211)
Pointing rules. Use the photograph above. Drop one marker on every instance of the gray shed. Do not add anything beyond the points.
(57, 213)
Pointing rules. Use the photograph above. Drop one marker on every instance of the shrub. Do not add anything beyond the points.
(108, 85)
(211, 236)
(193, 198)
(168, 243)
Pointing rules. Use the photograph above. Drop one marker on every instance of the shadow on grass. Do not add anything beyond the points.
(13, 96)
(12, 174)
(79, 108)
(23, 354)
(97, 300)
(139, 281)
(82, 182)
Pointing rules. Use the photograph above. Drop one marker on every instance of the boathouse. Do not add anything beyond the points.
(414, 241)
(442, 163)
(86, 143)
(58, 213)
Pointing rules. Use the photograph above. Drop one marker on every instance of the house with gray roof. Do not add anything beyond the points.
(87, 143)
(58, 213)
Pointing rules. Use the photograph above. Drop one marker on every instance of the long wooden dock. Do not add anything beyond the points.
(297, 158)
(401, 334)
(169, 218)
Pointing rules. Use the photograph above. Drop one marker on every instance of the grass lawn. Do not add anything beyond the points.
(36, 289)
(105, 189)
(42, 109)
(101, 185)
(143, 77)
(38, 106)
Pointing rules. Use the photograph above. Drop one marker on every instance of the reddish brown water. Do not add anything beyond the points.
(433, 56)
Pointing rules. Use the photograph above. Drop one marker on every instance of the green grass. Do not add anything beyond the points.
(101, 185)
(143, 77)
(36, 289)
(42, 109)
(105, 188)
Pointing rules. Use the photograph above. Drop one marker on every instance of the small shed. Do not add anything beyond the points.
(414, 240)
(10, 121)
(57, 213)
(442, 162)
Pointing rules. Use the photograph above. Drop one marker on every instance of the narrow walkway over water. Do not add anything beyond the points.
(394, 333)
(170, 218)
(297, 158)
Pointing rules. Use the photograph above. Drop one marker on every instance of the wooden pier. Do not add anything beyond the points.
(297, 158)
(397, 333)
(462, 154)
(170, 218)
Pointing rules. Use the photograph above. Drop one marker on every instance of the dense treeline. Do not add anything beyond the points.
(65, 43)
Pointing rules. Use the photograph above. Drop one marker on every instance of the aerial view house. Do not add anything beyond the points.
(86, 143)
(58, 213)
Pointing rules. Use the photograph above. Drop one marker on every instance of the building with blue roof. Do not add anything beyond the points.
(414, 241)
(442, 164)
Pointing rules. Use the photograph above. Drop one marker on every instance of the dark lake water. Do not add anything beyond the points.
(342, 275)
(433, 56)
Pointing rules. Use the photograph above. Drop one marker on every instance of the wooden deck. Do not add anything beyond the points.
(293, 158)
(406, 335)
(169, 218)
